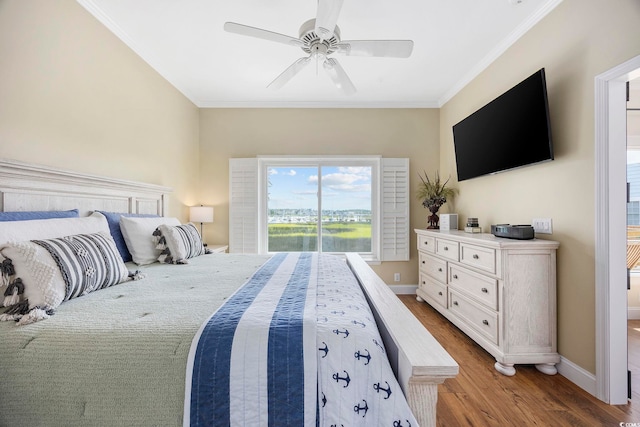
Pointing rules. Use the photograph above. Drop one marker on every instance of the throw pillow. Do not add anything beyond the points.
(45, 273)
(113, 219)
(138, 234)
(178, 243)
(23, 230)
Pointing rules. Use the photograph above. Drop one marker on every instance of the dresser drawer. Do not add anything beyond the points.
(434, 267)
(480, 288)
(434, 289)
(481, 319)
(426, 243)
(447, 249)
(478, 257)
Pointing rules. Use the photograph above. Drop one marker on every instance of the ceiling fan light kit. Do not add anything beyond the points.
(319, 38)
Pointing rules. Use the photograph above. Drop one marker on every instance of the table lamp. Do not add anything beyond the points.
(201, 214)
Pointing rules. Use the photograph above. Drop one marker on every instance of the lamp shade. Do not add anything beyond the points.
(201, 214)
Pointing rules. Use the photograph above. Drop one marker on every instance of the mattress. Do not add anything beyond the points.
(123, 347)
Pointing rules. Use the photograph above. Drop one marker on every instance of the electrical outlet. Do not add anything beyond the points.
(396, 277)
(542, 225)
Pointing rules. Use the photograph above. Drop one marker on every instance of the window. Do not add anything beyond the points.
(633, 213)
(336, 204)
(323, 207)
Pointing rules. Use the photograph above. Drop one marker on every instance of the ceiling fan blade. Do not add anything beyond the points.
(327, 17)
(289, 73)
(384, 48)
(339, 76)
(246, 30)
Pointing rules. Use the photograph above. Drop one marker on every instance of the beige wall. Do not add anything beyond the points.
(577, 41)
(226, 133)
(73, 96)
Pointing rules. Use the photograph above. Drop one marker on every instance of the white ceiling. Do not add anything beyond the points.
(184, 41)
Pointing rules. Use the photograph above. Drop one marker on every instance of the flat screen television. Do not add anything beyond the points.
(511, 131)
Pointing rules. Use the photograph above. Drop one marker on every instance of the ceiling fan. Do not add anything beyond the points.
(319, 38)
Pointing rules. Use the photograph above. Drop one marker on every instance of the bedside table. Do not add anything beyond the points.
(218, 249)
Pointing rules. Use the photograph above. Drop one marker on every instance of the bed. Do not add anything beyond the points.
(124, 355)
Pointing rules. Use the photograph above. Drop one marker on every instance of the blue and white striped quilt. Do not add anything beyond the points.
(295, 346)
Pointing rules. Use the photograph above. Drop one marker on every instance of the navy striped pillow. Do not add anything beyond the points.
(87, 262)
(178, 243)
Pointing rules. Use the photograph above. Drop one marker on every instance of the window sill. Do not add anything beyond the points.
(371, 260)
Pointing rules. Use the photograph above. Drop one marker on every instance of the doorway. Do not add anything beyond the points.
(633, 236)
(611, 271)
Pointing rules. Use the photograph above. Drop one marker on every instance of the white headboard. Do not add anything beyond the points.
(29, 187)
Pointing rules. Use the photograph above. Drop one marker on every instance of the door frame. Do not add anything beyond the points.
(610, 229)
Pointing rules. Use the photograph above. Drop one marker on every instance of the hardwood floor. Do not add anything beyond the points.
(480, 396)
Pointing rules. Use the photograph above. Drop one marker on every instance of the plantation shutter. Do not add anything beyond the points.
(395, 210)
(243, 205)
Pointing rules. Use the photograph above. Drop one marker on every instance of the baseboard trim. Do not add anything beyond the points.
(577, 375)
(404, 289)
(633, 313)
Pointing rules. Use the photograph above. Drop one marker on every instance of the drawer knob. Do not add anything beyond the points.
(455, 276)
(485, 290)
(475, 256)
(455, 303)
(440, 269)
(440, 293)
(423, 262)
(424, 283)
(426, 243)
(485, 322)
(446, 248)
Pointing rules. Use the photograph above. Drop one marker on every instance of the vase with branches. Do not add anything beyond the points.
(433, 194)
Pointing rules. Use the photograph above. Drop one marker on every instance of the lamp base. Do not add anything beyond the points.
(202, 236)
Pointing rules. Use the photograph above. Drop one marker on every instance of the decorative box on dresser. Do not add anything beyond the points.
(500, 292)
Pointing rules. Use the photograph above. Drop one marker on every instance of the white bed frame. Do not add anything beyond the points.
(419, 361)
(25, 187)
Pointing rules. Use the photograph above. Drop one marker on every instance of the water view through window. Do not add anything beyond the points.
(326, 208)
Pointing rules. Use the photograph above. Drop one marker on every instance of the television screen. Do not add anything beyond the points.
(511, 131)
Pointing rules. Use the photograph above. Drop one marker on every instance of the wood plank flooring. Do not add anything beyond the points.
(480, 396)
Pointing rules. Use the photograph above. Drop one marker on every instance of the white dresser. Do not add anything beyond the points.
(500, 292)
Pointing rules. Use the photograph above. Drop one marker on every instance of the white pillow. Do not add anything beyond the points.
(19, 231)
(138, 235)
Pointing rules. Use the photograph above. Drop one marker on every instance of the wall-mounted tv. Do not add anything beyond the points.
(511, 131)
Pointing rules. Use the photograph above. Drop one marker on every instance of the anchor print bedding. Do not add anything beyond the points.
(297, 345)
